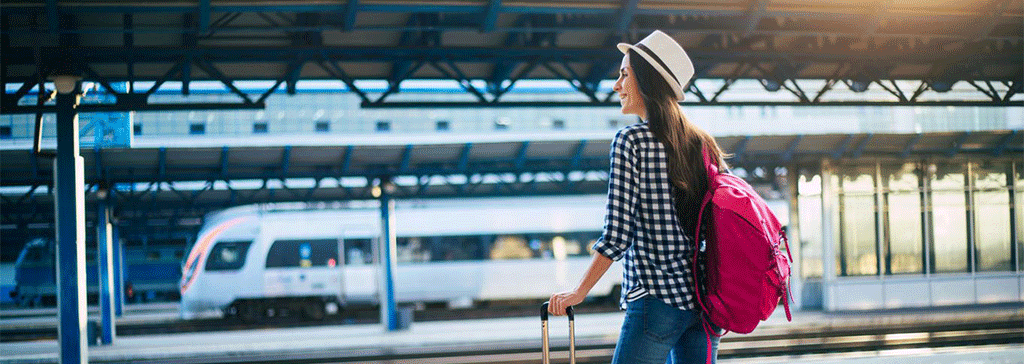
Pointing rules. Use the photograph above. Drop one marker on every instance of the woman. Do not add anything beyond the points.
(655, 187)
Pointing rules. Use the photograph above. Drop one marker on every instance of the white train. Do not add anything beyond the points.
(252, 261)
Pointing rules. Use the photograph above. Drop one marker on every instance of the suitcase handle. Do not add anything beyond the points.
(544, 333)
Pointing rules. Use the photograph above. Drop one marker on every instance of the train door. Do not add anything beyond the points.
(359, 273)
(303, 268)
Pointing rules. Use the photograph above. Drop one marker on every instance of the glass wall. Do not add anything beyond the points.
(1018, 211)
(904, 245)
(993, 250)
(857, 211)
(809, 206)
(949, 218)
(917, 218)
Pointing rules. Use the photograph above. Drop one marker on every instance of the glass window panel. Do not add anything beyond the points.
(302, 253)
(902, 178)
(904, 225)
(358, 252)
(992, 230)
(413, 250)
(948, 176)
(810, 236)
(228, 255)
(989, 175)
(858, 235)
(1018, 181)
(809, 184)
(510, 247)
(858, 180)
(949, 224)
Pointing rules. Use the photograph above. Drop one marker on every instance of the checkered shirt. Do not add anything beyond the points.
(641, 224)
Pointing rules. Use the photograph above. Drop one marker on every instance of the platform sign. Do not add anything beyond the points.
(110, 129)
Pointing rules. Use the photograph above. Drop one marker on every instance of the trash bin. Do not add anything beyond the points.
(404, 317)
(92, 332)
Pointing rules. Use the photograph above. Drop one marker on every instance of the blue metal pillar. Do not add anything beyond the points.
(69, 206)
(118, 271)
(389, 262)
(105, 265)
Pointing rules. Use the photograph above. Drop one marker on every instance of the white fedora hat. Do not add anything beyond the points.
(665, 55)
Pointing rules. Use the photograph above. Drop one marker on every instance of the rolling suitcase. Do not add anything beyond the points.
(544, 334)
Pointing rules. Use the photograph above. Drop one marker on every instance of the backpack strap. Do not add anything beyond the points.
(712, 170)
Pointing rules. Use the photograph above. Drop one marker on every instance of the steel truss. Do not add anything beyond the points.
(489, 46)
(169, 196)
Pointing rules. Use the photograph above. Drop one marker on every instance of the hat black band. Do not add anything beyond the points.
(658, 59)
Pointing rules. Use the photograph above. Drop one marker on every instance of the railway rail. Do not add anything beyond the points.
(776, 343)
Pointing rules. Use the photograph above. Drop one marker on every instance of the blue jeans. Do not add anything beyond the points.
(655, 332)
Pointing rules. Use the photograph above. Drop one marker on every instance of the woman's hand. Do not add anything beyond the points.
(561, 301)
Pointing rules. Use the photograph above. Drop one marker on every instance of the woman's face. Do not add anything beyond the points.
(629, 94)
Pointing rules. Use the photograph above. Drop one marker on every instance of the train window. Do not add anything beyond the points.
(510, 247)
(440, 248)
(449, 248)
(303, 253)
(228, 255)
(358, 251)
(153, 255)
(545, 246)
(412, 250)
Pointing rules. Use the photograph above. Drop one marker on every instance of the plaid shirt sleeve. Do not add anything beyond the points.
(622, 198)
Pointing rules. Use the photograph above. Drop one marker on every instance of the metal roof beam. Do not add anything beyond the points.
(406, 157)
(490, 16)
(212, 70)
(754, 14)
(520, 161)
(286, 160)
(346, 161)
(530, 52)
(787, 155)
(335, 71)
(224, 163)
(204, 16)
(162, 164)
(463, 163)
(349, 13)
(626, 13)
(910, 146)
(578, 154)
(860, 146)
(958, 144)
(1001, 146)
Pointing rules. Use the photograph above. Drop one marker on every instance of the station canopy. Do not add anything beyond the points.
(162, 188)
(811, 52)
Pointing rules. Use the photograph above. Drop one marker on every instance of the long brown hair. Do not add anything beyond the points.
(682, 140)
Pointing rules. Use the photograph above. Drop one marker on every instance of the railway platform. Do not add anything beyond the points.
(995, 332)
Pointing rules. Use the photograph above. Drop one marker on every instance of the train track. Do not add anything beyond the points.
(780, 341)
(792, 342)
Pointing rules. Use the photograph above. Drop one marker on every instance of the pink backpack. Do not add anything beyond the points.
(747, 273)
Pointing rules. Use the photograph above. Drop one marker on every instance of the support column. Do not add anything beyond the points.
(69, 206)
(793, 234)
(829, 235)
(105, 265)
(118, 271)
(389, 262)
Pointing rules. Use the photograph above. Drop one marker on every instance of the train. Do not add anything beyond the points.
(252, 262)
(151, 273)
